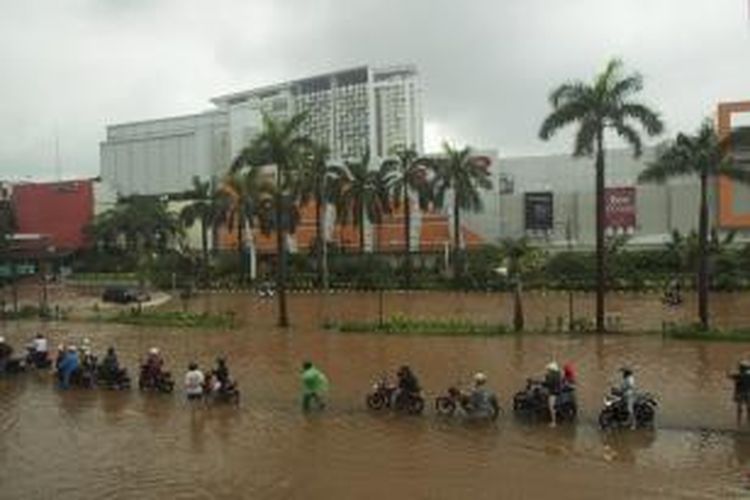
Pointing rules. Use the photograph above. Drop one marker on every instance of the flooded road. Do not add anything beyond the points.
(97, 444)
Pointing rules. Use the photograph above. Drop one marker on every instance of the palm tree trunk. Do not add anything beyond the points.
(362, 229)
(601, 269)
(457, 256)
(703, 254)
(518, 320)
(14, 278)
(204, 242)
(281, 252)
(240, 249)
(319, 238)
(407, 237)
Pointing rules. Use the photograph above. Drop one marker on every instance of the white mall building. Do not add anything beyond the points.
(351, 111)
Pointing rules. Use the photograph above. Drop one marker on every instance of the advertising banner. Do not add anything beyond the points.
(620, 208)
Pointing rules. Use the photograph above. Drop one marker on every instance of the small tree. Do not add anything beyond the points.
(520, 259)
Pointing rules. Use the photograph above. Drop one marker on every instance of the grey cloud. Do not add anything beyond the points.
(487, 66)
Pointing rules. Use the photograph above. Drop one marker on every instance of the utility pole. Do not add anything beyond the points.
(568, 238)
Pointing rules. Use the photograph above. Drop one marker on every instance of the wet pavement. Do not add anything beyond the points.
(95, 444)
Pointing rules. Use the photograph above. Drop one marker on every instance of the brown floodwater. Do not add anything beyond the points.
(99, 444)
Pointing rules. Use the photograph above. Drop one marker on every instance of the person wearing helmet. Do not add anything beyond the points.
(553, 384)
(194, 381)
(627, 388)
(314, 386)
(742, 390)
(68, 365)
(153, 365)
(481, 399)
(6, 351)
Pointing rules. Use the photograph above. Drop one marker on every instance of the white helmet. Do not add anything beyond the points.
(154, 351)
(480, 378)
(2, 340)
(553, 367)
(72, 348)
(86, 341)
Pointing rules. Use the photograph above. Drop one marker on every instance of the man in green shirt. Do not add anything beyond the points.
(314, 386)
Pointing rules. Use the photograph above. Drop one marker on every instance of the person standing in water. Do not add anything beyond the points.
(742, 390)
(314, 386)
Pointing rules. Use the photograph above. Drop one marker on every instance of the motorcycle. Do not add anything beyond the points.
(615, 412)
(531, 403)
(214, 393)
(118, 381)
(39, 360)
(384, 395)
(82, 378)
(454, 398)
(162, 382)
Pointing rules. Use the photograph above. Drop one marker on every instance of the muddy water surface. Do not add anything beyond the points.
(96, 444)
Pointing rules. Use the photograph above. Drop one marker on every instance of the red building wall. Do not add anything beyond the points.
(59, 210)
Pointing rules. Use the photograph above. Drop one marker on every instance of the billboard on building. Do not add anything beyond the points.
(620, 209)
(538, 211)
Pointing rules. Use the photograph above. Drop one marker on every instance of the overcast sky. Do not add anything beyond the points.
(69, 67)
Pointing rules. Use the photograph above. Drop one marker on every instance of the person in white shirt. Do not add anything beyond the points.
(39, 344)
(194, 380)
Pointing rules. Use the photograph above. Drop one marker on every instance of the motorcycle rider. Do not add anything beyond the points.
(314, 386)
(742, 389)
(407, 384)
(110, 365)
(152, 367)
(6, 351)
(194, 380)
(221, 373)
(38, 348)
(627, 388)
(553, 384)
(481, 398)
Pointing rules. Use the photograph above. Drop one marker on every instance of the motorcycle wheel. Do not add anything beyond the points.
(567, 412)
(416, 406)
(444, 405)
(520, 402)
(606, 420)
(644, 415)
(167, 387)
(375, 401)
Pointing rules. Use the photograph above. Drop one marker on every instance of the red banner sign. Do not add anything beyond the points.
(620, 207)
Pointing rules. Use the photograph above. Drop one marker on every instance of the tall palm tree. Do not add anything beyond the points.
(239, 195)
(462, 174)
(708, 157)
(282, 144)
(604, 105)
(404, 173)
(360, 194)
(205, 208)
(315, 187)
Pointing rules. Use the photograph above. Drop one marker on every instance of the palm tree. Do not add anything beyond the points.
(520, 259)
(360, 194)
(239, 196)
(604, 105)
(205, 208)
(463, 174)
(404, 173)
(314, 186)
(706, 156)
(282, 144)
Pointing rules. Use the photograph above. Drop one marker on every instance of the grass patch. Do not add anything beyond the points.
(176, 319)
(695, 332)
(103, 277)
(403, 325)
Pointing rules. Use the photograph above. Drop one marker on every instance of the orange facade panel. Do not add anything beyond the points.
(728, 217)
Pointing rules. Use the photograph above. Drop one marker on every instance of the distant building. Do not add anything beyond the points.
(54, 212)
(351, 111)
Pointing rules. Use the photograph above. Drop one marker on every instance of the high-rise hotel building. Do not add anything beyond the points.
(351, 111)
